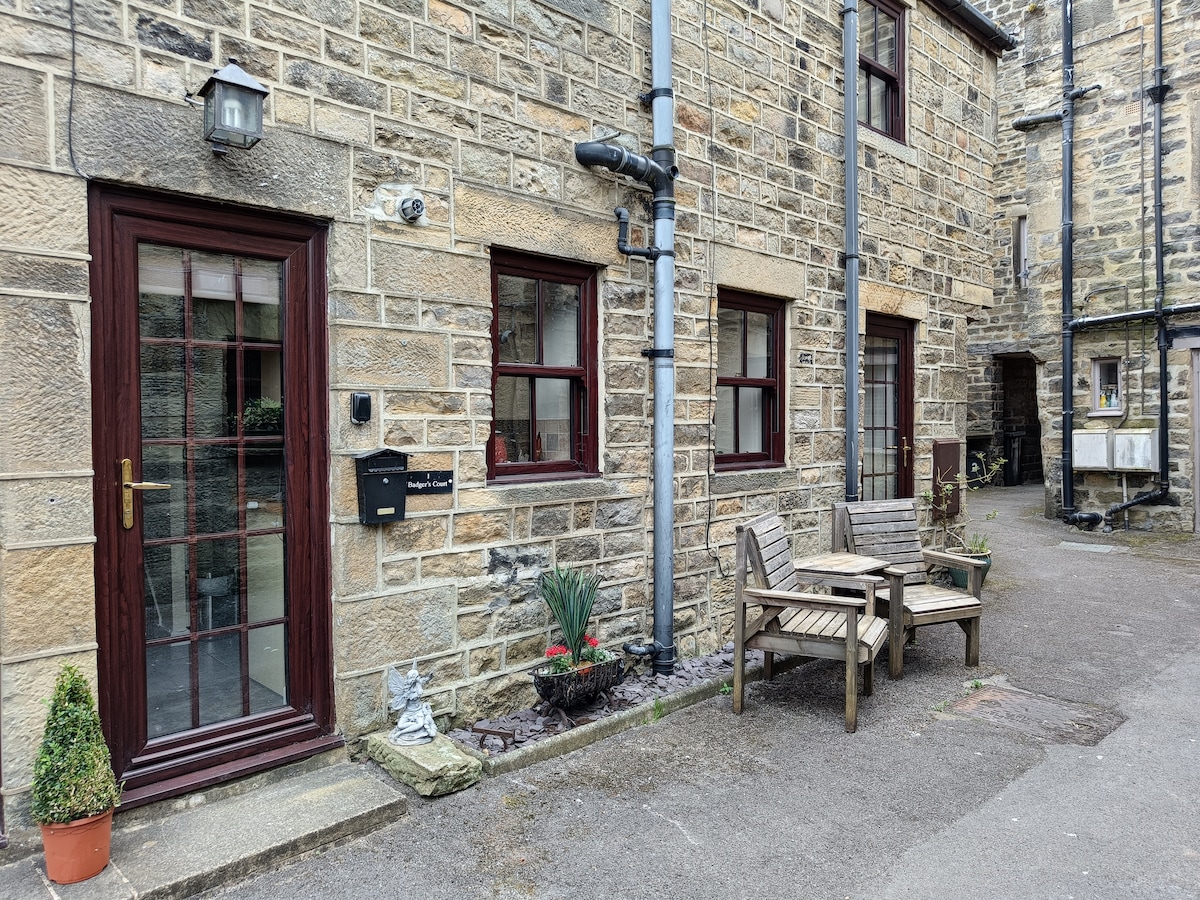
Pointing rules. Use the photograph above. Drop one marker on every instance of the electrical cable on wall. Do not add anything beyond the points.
(71, 93)
(710, 461)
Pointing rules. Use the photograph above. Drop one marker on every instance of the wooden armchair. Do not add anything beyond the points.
(807, 624)
(887, 530)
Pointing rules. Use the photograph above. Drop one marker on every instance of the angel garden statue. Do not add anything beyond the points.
(415, 725)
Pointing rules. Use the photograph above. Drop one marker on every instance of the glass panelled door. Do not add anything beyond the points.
(211, 459)
(887, 456)
(213, 535)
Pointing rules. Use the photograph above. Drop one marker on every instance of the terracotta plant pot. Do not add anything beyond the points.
(75, 851)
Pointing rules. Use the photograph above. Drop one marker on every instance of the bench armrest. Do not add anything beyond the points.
(804, 601)
(943, 558)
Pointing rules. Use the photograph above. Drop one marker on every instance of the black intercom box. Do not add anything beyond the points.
(382, 485)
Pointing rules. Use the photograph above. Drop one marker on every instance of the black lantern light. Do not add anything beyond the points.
(233, 109)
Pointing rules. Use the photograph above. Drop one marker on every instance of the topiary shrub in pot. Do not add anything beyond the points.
(74, 788)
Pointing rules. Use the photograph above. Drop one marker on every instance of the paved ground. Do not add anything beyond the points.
(922, 802)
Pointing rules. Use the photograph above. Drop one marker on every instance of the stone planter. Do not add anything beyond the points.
(576, 686)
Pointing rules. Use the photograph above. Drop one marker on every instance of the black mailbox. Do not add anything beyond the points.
(382, 485)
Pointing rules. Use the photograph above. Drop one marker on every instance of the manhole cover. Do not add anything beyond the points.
(1057, 721)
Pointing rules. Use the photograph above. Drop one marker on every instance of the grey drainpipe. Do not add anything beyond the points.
(659, 171)
(850, 126)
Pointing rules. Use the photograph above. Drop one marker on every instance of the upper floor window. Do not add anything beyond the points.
(749, 428)
(543, 368)
(881, 67)
(1021, 251)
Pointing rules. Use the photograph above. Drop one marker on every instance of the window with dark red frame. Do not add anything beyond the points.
(543, 368)
(749, 429)
(881, 67)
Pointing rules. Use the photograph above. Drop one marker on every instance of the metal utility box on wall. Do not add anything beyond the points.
(1091, 450)
(946, 471)
(1135, 449)
(382, 485)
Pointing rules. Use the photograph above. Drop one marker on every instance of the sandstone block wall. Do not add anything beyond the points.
(476, 108)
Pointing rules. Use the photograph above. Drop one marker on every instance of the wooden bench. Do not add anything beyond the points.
(887, 530)
(803, 623)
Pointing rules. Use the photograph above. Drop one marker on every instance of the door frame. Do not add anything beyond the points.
(171, 766)
(879, 325)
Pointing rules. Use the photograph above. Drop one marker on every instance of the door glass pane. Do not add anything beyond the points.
(560, 333)
(216, 489)
(166, 598)
(164, 512)
(268, 668)
(729, 343)
(264, 486)
(168, 688)
(160, 284)
(513, 420)
(214, 298)
(758, 345)
(217, 588)
(264, 577)
(724, 420)
(163, 397)
(750, 420)
(517, 320)
(212, 381)
(219, 667)
(261, 286)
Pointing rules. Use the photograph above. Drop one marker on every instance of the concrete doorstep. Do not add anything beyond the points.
(180, 848)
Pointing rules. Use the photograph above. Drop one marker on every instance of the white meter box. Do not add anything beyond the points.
(1091, 450)
(1135, 449)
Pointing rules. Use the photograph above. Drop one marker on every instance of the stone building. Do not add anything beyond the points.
(1017, 348)
(190, 340)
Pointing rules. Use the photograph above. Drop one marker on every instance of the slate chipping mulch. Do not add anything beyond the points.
(640, 685)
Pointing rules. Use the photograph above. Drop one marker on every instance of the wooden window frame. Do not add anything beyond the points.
(584, 461)
(773, 438)
(1098, 365)
(893, 78)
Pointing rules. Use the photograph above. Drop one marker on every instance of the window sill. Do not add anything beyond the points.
(722, 467)
(527, 478)
(1105, 413)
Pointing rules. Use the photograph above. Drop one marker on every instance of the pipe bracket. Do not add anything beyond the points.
(658, 353)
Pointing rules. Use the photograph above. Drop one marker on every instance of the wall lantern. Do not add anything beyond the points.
(233, 109)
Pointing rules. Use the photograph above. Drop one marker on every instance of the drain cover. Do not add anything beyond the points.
(1056, 721)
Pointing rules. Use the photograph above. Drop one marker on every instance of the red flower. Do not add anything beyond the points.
(557, 650)
(591, 641)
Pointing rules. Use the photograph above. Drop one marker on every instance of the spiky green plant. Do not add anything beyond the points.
(72, 775)
(570, 594)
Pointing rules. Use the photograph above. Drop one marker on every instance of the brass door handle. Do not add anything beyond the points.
(128, 486)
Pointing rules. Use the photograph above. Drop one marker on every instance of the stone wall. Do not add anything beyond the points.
(476, 108)
(1113, 225)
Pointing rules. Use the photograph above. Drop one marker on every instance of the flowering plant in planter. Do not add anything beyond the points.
(561, 659)
(578, 668)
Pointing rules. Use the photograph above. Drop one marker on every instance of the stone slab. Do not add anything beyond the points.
(432, 769)
(180, 852)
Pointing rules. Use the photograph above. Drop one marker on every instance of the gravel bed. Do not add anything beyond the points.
(518, 729)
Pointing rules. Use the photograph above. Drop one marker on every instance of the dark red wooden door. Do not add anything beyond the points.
(887, 467)
(211, 462)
